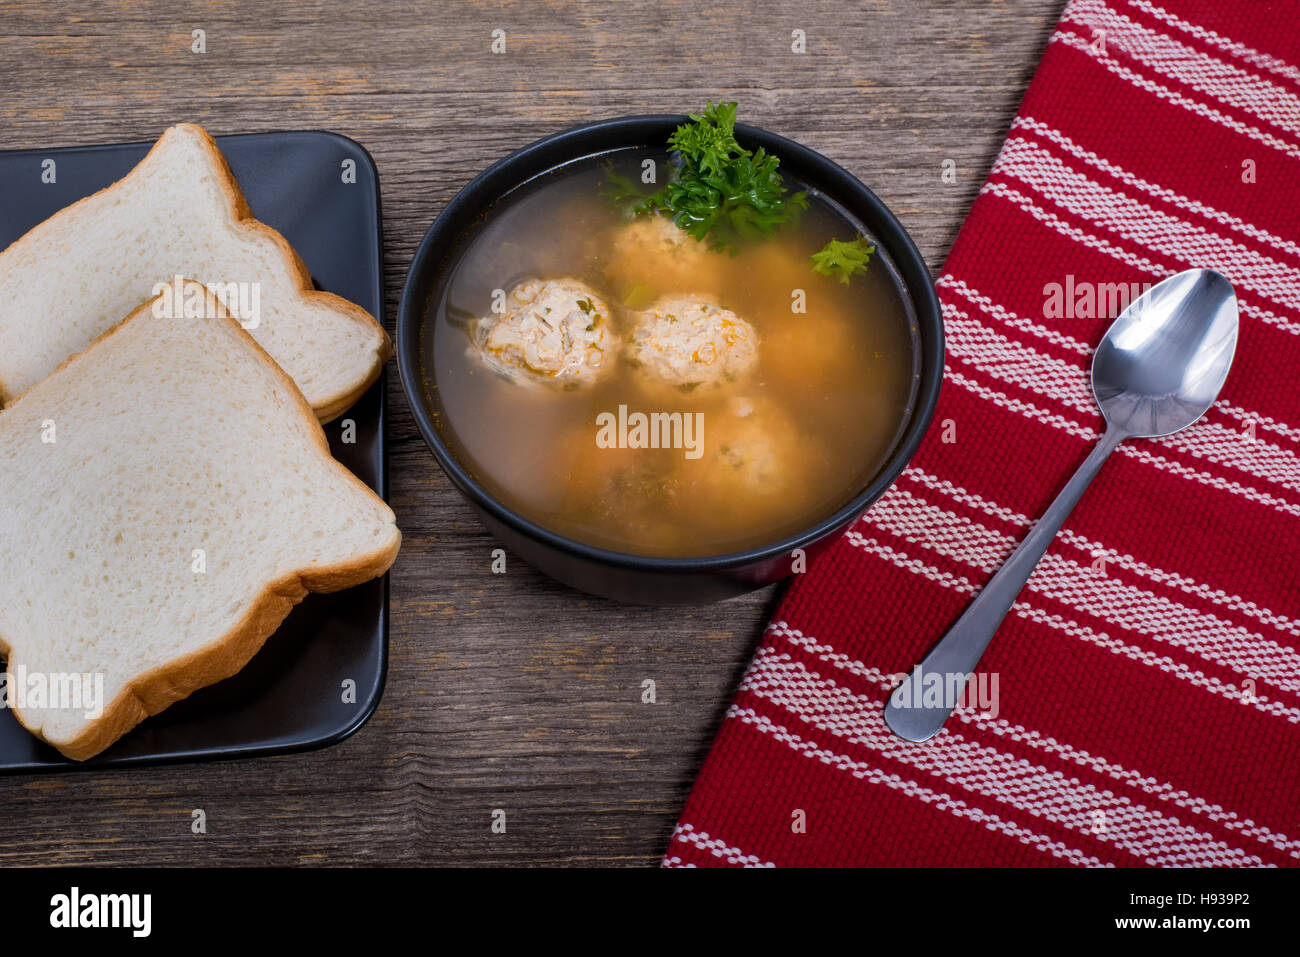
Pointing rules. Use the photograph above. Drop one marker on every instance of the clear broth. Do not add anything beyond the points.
(834, 384)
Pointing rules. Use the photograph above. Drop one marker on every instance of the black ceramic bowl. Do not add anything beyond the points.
(635, 578)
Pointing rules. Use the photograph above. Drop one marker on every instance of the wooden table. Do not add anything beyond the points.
(506, 692)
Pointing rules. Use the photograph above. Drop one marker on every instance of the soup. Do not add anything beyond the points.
(615, 381)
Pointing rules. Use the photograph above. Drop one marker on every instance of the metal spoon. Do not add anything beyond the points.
(1158, 369)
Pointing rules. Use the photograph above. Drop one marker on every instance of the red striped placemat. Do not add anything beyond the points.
(1147, 705)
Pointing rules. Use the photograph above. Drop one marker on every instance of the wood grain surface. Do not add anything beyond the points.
(504, 692)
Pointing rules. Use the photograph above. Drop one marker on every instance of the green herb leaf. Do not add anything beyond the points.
(842, 260)
(723, 194)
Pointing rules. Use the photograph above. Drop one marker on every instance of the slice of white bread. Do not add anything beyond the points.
(178, 213)
(168, 498)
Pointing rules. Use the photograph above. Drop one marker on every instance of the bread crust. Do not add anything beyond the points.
(241, 215)
(155, 690)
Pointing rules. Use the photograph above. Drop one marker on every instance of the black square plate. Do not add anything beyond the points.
(292, 695)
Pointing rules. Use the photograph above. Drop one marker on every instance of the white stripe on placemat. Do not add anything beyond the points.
(1020, 785)
(1132, 450)
(932, 798)
(1213, 79)
(982, 348)
(1003, 315)
(1100, 596)
(688, 834)
(1096, 549)
(1000, 726)
(1172, 96)
(1246, 307)
(1009, 318)
(1142, 226)
(1250, 55)
(1074, 629)
(1072, 148)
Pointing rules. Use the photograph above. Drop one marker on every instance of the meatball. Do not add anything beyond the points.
(754, 460)
(691, 342)
(760, 468)
(752, 449)
(652, 255)
(553, 331)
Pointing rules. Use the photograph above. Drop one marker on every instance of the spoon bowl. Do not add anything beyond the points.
(1163, 360)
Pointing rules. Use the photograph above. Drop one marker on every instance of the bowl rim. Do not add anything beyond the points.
(638, 129)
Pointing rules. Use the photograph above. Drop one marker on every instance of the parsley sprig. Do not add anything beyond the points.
(723, 194)
(842, 260)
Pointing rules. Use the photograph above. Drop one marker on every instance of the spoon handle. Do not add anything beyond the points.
(912, 711)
